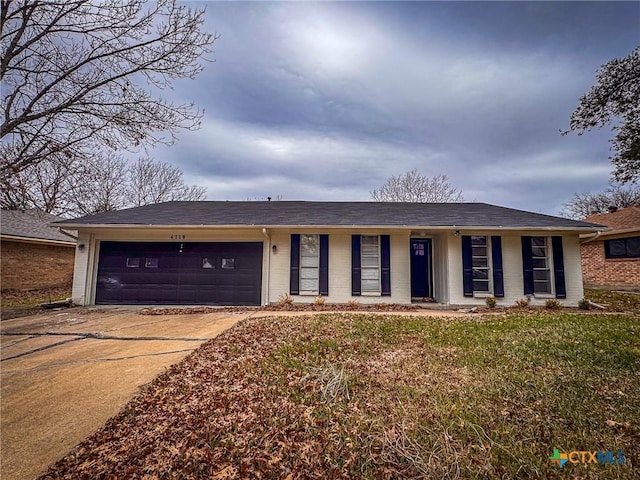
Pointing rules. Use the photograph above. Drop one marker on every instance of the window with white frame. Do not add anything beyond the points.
(370, 263)
(541, 265)
(309, 263)
(480, 263)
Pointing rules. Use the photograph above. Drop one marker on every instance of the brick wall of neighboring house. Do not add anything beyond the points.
(599, 271)
(30, 265)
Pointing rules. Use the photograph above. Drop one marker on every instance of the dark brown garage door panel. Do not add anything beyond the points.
(210, 273)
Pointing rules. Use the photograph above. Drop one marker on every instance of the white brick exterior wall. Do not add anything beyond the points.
(447, 262)
(512, 270)
(340, 267)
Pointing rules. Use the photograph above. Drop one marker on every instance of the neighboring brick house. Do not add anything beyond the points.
(612, 259)
(33, 254)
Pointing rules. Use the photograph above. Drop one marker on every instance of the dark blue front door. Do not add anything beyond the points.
(421, 279)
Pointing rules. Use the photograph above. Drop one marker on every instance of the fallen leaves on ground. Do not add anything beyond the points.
(295, 307)
(369, 396)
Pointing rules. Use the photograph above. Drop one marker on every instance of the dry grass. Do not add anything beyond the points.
(19, 303)
(615, 301)
(331, 381)
(364, 396)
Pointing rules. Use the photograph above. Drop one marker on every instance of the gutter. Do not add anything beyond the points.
(266, 234)
(41, 241)
(591, 238)
(89, 226)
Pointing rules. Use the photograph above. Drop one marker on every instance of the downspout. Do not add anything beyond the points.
(594, 236)
(266, 234)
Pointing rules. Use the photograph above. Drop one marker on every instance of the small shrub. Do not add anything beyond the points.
(552, 304)
(319, 300)
(583, 304)
(491, 302)
(285, 300)
(353, 303)
(522, 303)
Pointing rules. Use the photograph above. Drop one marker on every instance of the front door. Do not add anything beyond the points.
(421, 276)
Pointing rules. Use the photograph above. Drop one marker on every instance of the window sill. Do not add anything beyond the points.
(308, 294)
(482, 294)
(544, 296)
(370, 294)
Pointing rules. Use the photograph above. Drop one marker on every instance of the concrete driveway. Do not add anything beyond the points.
(64, 373)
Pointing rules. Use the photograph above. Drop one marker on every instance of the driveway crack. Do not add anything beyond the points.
(83, 336)
(100, 336)
(94, 360)
(39, 349)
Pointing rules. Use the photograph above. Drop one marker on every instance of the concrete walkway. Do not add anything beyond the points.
(64, 373)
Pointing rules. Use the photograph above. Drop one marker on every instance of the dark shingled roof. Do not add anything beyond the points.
(364, 214)
(32, 223)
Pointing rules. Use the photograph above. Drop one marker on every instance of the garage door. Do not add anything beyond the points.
(191, 273)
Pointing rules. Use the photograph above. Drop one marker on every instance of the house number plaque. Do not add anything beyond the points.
(178, 237)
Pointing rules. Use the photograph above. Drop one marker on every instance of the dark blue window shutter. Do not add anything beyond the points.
(356, 284)
(294, 265)
(496, 256)
(324, 265)
(558, 267)
(467, 266)
(527, 265)
(385, 263)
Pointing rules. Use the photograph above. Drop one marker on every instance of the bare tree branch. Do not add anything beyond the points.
(415, 187)
(155, 182)
(74, 187)
(79, 73)
(616, 196)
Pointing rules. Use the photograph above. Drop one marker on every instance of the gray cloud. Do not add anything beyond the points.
(326, 101)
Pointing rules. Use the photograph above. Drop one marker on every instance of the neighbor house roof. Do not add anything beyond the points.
(626, 220)
(336, 214)
(32, 225)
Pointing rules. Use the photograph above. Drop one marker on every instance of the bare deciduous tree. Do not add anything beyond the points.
(100, 187)
(78, 73)
(616, 196)
(47, 186)
(102, 184)
(415, 187)
(153, 182)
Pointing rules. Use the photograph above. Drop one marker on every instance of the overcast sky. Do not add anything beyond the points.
(325, 101)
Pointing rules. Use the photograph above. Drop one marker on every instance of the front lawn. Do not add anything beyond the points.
(366, 396)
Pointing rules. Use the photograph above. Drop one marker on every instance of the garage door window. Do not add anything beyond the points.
(133, 262)
(151, 263)
(229, 263)
(207, 263)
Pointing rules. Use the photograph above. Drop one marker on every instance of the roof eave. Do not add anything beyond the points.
(18, 238)
(80, 226)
